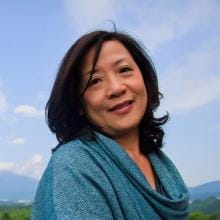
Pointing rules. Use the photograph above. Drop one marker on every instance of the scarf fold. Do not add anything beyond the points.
(173, 205)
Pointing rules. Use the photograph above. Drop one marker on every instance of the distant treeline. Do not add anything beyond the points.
(19, 212)
(208, 209)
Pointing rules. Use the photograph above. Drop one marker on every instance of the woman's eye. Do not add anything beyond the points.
(124, 69)
(94, 81)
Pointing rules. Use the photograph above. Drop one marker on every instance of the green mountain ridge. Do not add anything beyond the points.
(204, 191)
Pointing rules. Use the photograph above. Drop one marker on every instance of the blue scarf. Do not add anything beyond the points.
(98, 180)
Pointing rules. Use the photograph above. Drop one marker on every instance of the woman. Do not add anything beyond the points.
(108, 164)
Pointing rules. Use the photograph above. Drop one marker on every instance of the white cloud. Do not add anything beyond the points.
(191, 93)
(3, 103)
(85, 15)
(195, 82)
(175, 18)
(7, 166)
(28, 110)
(18, 141)
(32, 168)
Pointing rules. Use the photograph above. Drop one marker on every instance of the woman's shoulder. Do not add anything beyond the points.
(71, 152)
(69, 158)
(67, 149)
(70, 161)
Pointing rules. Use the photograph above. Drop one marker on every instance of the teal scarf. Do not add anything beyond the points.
(98, 180)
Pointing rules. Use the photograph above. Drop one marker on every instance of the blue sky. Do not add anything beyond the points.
(182, 38)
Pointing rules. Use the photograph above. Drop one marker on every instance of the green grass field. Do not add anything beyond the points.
(208, 209)
(15, 213)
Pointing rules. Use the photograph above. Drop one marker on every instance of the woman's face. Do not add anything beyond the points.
(116, 98)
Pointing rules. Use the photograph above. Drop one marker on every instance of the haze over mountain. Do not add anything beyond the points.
(16, 187)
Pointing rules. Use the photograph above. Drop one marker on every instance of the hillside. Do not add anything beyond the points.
(204, 191)
(16, 187)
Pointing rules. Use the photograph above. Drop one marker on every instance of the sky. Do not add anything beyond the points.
(182, 38)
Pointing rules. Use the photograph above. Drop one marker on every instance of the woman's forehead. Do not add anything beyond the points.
(112, 51)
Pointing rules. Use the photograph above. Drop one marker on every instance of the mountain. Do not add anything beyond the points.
(204, 191)
(16, 187)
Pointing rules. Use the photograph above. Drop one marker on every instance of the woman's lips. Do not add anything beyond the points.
(122, 107)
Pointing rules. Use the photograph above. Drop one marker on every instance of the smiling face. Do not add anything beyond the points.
(116, 97)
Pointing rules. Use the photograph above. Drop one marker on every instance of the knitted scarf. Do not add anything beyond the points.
(96, 179)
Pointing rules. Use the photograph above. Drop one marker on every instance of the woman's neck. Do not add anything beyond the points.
(130, 143)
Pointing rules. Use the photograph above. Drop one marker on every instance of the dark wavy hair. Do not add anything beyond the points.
(63, 107)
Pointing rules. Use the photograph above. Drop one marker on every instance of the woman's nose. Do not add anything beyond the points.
(115, 88)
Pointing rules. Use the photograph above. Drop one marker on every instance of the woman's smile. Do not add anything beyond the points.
(122, 107)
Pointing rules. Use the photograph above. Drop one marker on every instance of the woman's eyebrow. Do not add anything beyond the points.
(88, 73)
(119, 61)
